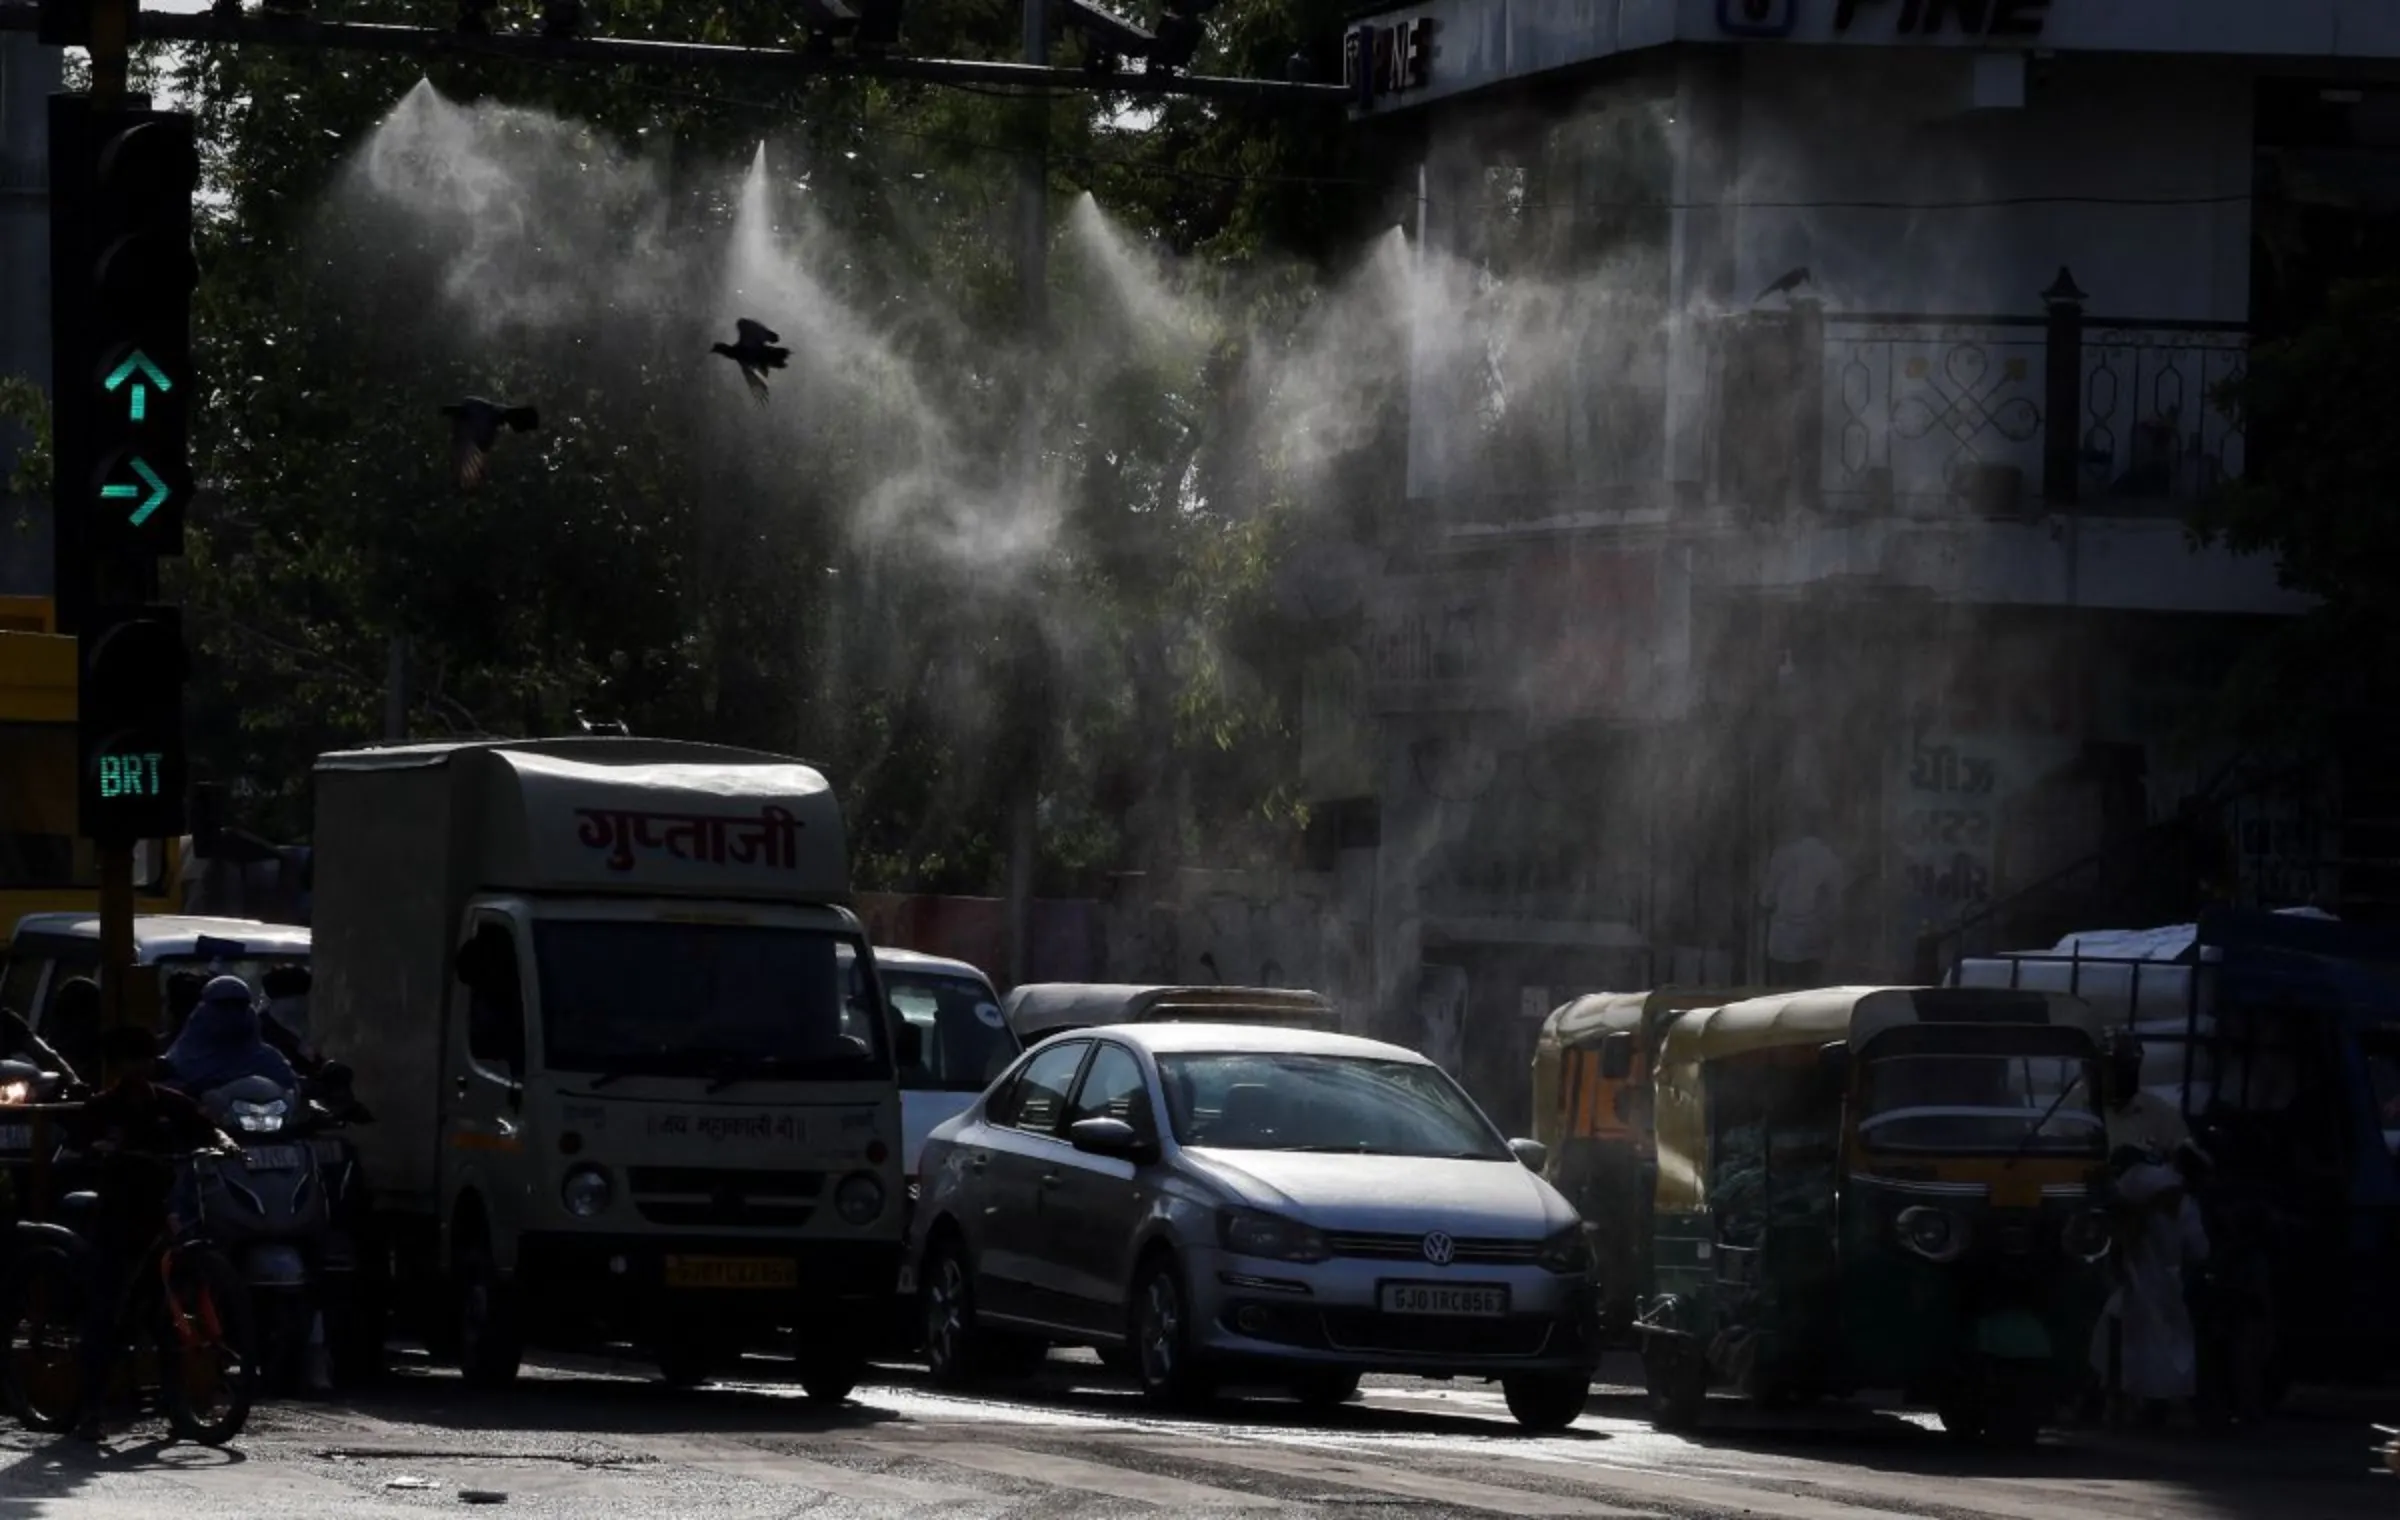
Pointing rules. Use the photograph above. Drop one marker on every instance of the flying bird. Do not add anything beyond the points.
(756, 353)
(474, 427)
(1790, 282)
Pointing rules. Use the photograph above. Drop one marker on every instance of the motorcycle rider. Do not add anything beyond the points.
(222, 1043)
(127, 1129)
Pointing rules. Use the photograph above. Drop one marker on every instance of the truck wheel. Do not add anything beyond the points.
(828, 1376)
(1547, 1402)
(491, 1342)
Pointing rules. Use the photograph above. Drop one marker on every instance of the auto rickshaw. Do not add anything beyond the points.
(1591, 1108)
(1880, 1187)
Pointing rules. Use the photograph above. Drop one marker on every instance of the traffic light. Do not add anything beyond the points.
(137, 233)
(130, 729)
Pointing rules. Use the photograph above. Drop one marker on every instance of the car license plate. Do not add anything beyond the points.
(274, 1158)
(1461, 1300)
(732, 1272)
(16, 1137)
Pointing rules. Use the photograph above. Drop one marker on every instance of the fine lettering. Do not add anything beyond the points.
(770, 837)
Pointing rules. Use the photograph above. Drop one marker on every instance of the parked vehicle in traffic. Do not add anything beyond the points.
(47, 950)
(1037, 1010)
(1591, 1111)
(1879, 1188)
(1225, 1202)
(961, 1040)
(632, 1068)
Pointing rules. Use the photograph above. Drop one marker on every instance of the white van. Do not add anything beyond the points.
(962, 1041)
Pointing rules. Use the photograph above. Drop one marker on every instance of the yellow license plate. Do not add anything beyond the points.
(731, 1272)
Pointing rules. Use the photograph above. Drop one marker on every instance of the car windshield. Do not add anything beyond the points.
(2001, 1103)
(1355, 1104)
(962, 1043)
(730, 1001)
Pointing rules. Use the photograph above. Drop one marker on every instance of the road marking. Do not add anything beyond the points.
(1319, 1467)
(1092, 1477)
(737, 1459)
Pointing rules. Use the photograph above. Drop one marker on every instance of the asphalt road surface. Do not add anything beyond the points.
(590, 1439)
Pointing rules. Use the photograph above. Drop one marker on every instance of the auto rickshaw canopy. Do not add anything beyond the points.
(1803, 1022)
(1574, 1033)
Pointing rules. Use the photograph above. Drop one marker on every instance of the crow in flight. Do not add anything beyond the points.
(756, 353)
(474, 427)
(1791, 281)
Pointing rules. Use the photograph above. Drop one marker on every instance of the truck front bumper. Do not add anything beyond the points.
(746, 1279)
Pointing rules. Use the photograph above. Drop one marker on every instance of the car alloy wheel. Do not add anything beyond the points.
(949, 1320)
(1161, 1340)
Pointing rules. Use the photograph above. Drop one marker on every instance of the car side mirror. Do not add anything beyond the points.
(1616, 1056)
(1532, 1152)
(1113, 1138)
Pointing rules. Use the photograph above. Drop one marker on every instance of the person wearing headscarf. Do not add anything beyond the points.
(221, 1042)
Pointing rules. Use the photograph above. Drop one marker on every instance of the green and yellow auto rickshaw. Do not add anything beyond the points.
(1879, 1187)
(1591, 1108)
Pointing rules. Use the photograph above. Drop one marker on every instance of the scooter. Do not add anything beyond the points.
(272, 1220)
(353, 1323)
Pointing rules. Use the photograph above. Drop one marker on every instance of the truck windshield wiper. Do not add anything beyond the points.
(618, 1071)
(727, 1068)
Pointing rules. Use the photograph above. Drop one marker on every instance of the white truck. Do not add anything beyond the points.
(629, 1059)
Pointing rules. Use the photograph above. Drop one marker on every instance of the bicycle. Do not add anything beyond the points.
(184, 1337)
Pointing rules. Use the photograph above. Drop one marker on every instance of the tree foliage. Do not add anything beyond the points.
(640, 558)
(2319, 497)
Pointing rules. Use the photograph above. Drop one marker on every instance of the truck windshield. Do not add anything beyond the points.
(1953, 1103)
(731, 1002)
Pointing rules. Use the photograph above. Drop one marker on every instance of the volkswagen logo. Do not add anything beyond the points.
(1439, 1248)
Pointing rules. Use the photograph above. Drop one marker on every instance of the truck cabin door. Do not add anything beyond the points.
(486, 1048)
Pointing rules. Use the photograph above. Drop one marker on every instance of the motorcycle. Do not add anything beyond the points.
(272, 1219)
(26, 1090)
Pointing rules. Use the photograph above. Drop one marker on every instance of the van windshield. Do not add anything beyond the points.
(2002, 1103)
(962, 1042)
(732, 1002)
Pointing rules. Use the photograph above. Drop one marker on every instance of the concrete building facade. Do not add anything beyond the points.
(1808, 397)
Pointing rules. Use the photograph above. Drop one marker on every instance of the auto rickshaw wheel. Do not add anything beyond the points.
(1676, 1378)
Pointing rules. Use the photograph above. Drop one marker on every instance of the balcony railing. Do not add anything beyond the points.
(1930, 415)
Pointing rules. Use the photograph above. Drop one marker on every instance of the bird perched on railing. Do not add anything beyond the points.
(756, 353)
(475, 427)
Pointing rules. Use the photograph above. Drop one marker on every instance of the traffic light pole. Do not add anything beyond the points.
(111, 44)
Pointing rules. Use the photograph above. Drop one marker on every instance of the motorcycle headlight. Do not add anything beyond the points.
(586, 1191)
(2087, 1236)
(17, 1090)
(1254, 1232)
(259, 1124)
(859, 1199)
(1568, 1253)
(1935, 1234)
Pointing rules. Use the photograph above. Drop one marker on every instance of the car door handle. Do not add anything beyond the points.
(978, 1162)
(1050, 1180)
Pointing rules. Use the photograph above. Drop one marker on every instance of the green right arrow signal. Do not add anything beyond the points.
(138, 368)
(151, 503)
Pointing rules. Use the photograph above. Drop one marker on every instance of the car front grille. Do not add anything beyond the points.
(709, 1197)
(1384, 1247)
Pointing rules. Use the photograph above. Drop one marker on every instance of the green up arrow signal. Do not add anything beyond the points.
(139, 369)
(150, 503)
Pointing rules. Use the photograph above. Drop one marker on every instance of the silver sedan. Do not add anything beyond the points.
(1203, 1202)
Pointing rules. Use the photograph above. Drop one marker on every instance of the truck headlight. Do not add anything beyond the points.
(586, 1191)
(859, 1199)
(1935, 1234)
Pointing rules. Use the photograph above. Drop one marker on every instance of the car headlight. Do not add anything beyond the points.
(859, 1199)
(586, 1191)
(2087, 1236)
(16, 1091)
(1568, 1253)
(1253, 1232)
(1935, 1234)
